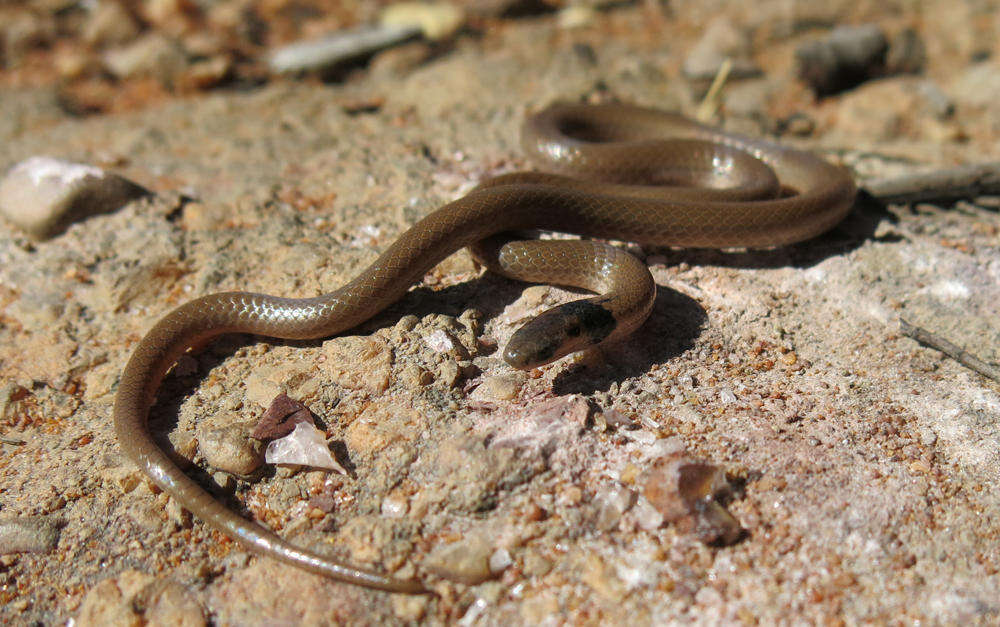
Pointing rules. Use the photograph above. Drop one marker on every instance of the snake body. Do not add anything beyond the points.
(704, 188)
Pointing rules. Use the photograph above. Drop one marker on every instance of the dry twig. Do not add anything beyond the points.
(960, 355)
(968, 181)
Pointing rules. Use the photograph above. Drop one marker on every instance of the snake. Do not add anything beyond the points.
(616, 172)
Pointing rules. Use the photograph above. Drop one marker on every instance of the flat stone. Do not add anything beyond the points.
(29, 534)
(466, 561)
(43, 196)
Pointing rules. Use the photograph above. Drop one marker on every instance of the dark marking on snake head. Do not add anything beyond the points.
(559, 332)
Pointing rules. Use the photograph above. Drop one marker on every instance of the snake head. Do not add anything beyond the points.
(558, 332)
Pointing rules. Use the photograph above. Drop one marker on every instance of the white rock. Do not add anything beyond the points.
(43, 195)
(437, 20)
(305, 446)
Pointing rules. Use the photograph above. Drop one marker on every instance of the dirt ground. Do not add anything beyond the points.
(863, 467)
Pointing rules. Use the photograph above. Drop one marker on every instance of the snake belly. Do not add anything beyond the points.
(614, 171)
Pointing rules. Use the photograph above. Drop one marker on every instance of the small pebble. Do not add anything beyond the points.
(847, 57)
(395, 505)
(43, 196)
(611, 504)
(167, 602)
(646, 516)
(466, 561)
(684, 491)
(328, 52)
(229, 449)
(502, 387)
(152, 55)
(29, 534)
(305, 446)
(535, 565)
(436, 20)
(440, 341)
(281, 417)
(499, 560)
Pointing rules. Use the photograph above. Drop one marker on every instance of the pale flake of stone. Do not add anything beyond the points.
(305, 446)
(440, 341)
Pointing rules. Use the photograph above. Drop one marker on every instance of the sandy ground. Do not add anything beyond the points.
(864, 467)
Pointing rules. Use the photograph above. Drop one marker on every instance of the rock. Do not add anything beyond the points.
(29, 534)
(576, 16)
(849, 56)
(152, 55)
(395, 505)
(109, 24)
(684, 491)
(500, 560)
(550, 425)
(466, 561)
(305, 446)
(43, 196)
(106, 606)
(721, 40)
(329, 52)
(167, 602)
(413, 376)
(647, 517)
(436, 20)
(503, 387)
(10, 396)
(281, 417)
(209, 73)
(359, 363)
(611, 504)
(134, 599)
(229, 449)
(891, 108)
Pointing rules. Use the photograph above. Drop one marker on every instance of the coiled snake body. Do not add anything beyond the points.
(703, 188)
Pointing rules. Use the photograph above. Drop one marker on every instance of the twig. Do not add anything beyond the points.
(960, 355)
(710, 103)
(305, 56)
(969, 181)
(12, 442)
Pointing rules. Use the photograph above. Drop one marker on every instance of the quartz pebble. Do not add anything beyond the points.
(305, 446)
(43, 196)
(684, 491)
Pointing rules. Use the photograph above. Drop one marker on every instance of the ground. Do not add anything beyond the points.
(863, 467)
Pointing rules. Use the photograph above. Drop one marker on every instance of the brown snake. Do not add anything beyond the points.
(706, 188)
